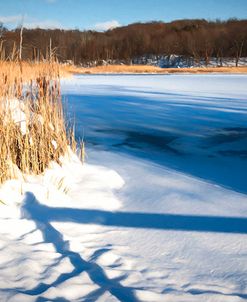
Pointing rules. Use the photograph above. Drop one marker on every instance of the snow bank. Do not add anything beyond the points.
(28, 255)
(161, 236)
(59, 185)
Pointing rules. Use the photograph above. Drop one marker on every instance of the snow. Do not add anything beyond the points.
(178, 61)
(171, 61)
(16, 109)
(138, 221)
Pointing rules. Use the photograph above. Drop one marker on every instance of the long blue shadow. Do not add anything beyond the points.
(215, 224)
(43, 216)
(39, 214)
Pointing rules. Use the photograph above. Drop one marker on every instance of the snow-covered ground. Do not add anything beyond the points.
(173, 61)
(176, 61)
(165, 219)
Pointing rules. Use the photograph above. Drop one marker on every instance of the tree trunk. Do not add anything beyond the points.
(20, 47)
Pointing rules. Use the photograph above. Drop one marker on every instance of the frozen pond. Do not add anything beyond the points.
(159, 210)
(180, 144)
(196, 124)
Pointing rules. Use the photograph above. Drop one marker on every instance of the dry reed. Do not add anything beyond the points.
(151, 69)
(32, 125)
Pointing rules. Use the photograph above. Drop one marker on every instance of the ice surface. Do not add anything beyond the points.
(196, 124)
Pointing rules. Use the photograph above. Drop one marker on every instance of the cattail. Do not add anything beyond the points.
(32, 125)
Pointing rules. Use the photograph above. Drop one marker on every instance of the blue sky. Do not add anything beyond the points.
(102, 14)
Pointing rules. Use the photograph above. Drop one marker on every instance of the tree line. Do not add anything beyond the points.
(197, 39)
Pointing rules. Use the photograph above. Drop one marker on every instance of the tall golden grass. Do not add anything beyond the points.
(32, 124)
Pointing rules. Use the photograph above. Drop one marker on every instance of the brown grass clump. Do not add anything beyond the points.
(115, 69)
(202, 70)
(152, 69)
(32, 126)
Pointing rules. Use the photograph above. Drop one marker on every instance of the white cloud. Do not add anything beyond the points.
(103, 26)
(43, 24)
(11, 19)
(28, 22)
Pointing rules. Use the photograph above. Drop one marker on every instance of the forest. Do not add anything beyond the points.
(197, 39)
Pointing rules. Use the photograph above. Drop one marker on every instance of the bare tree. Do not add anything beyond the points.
(198, 39)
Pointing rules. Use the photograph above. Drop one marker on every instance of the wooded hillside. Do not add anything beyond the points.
(199, 39)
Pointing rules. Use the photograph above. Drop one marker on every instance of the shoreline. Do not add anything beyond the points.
(146, 69)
